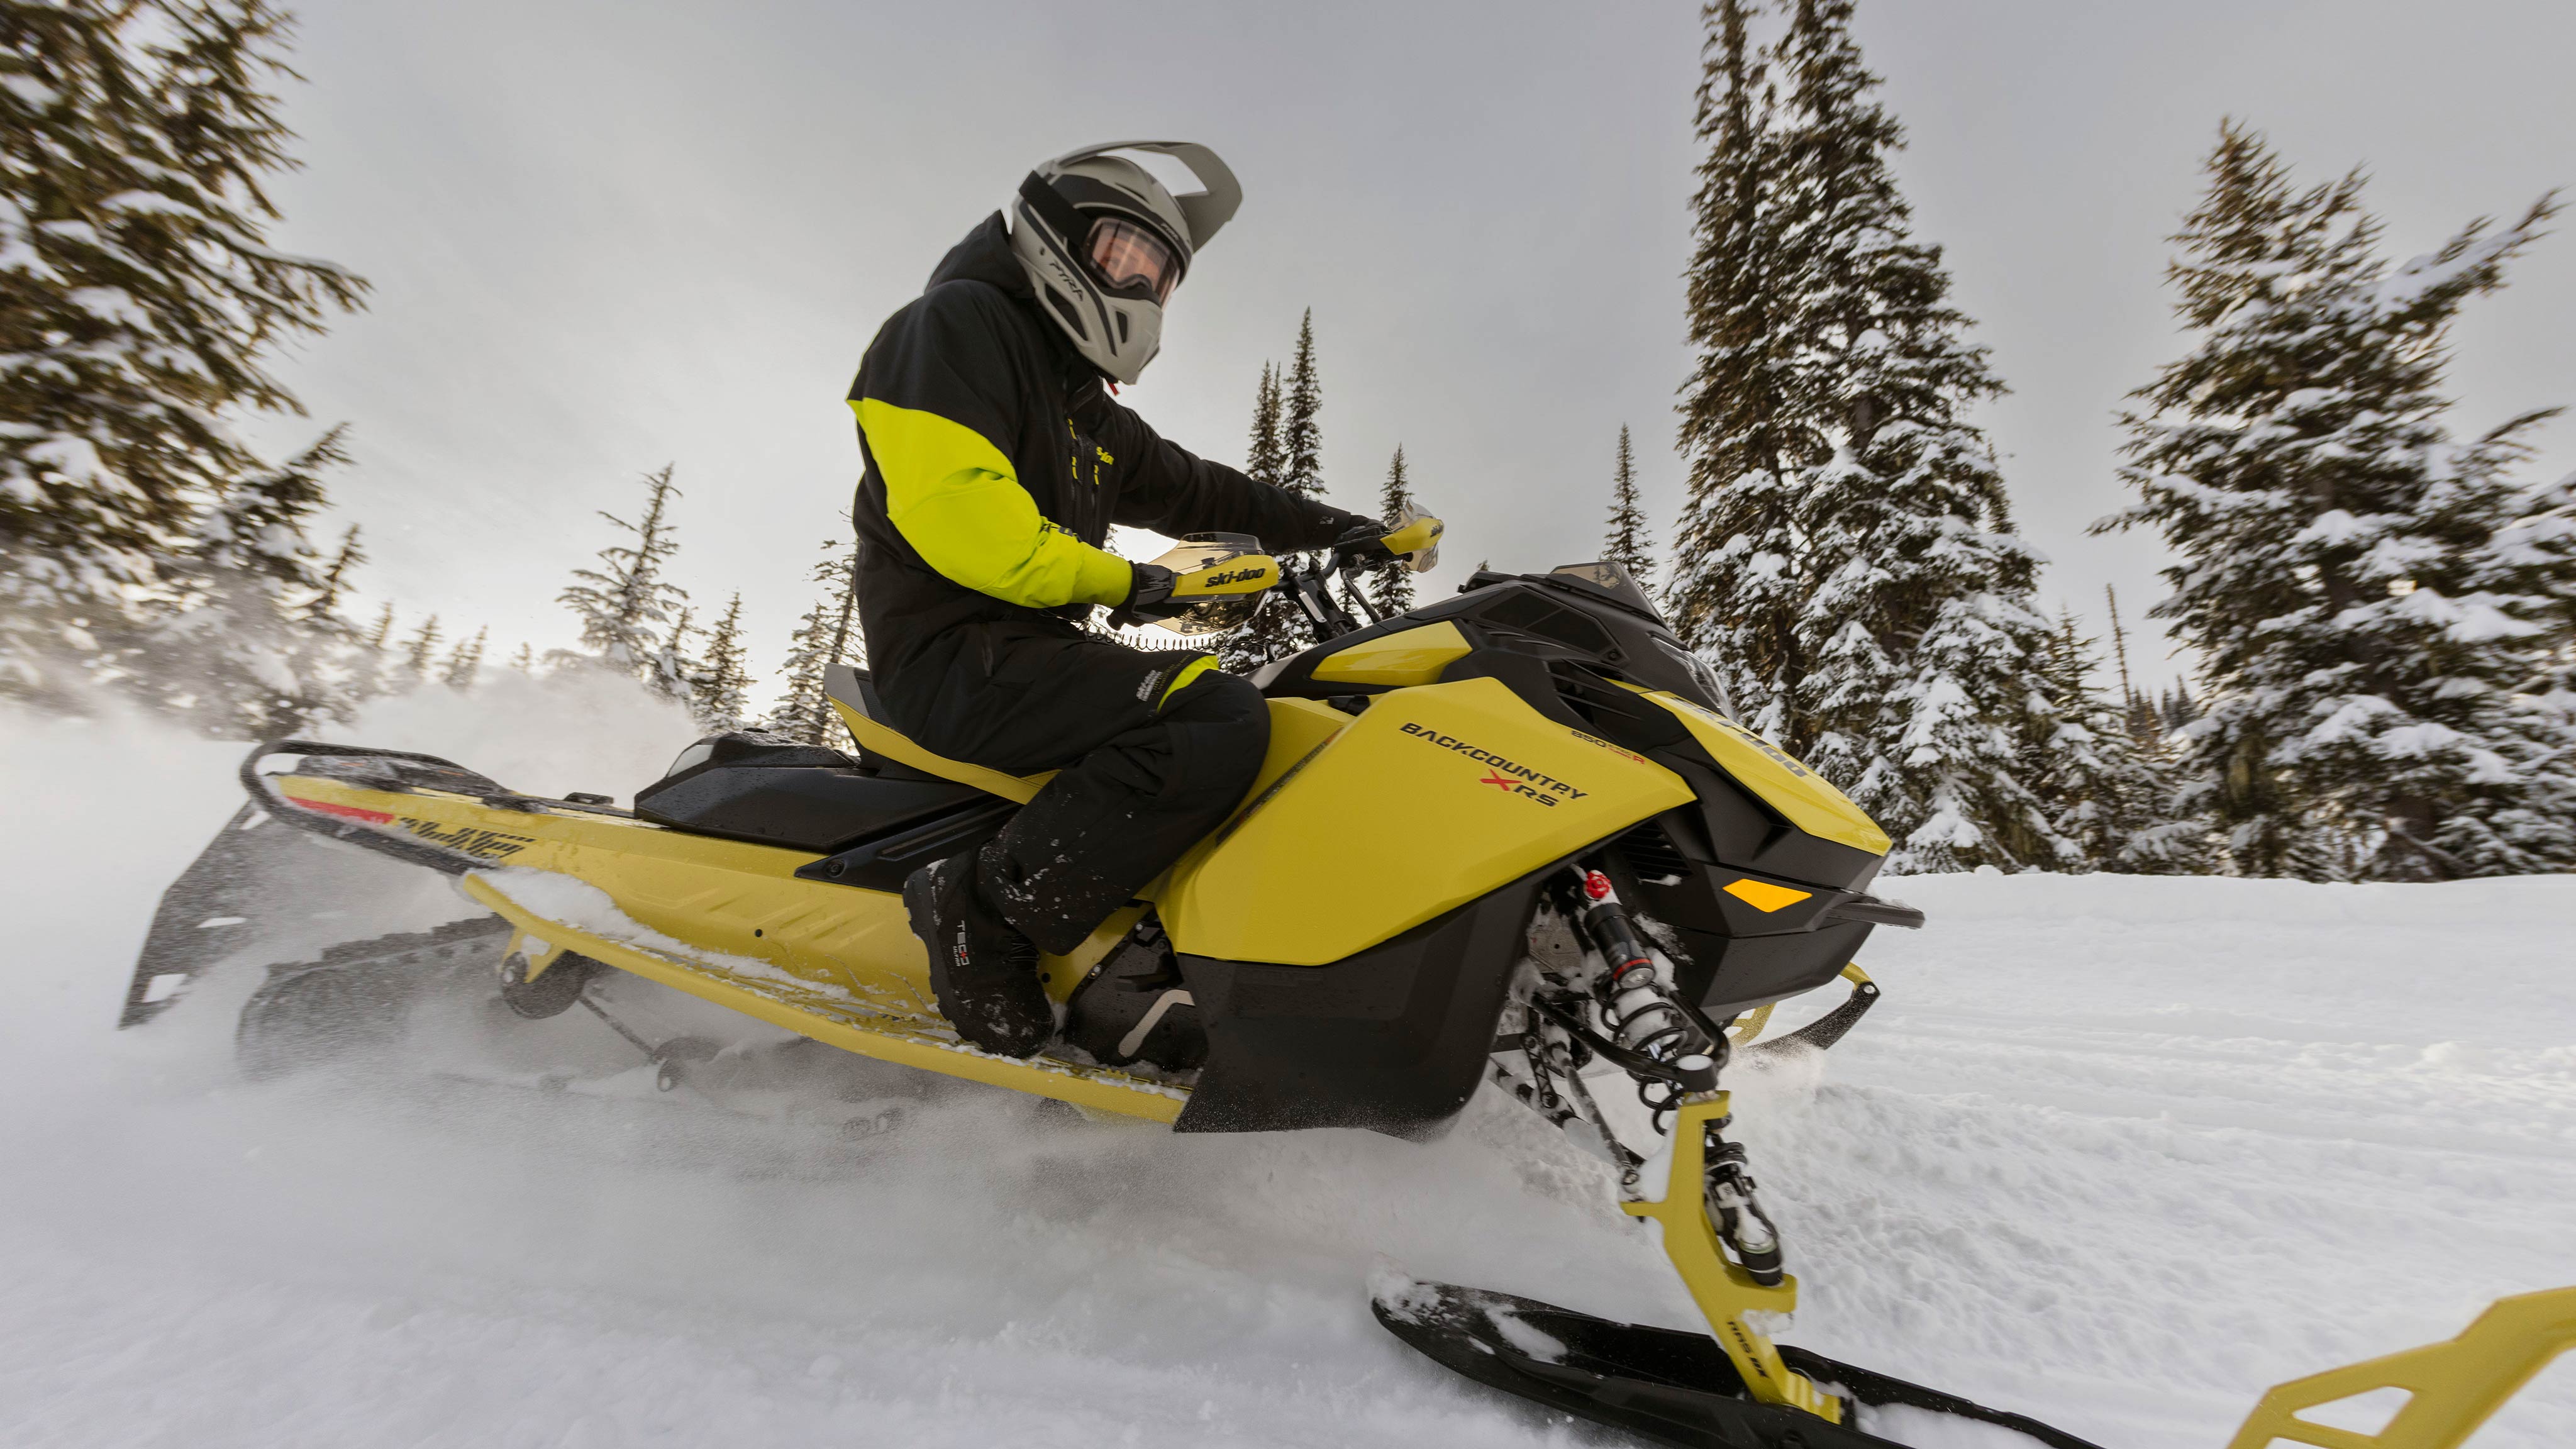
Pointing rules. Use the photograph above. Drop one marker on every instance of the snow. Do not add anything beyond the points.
(2116, 1152)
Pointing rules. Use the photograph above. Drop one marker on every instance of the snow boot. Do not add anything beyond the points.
(983, 972)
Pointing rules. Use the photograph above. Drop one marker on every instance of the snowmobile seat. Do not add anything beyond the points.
(760, 788)
(855, 695)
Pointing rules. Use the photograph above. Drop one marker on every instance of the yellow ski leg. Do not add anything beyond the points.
(1723, 1290)
(2453, 1386)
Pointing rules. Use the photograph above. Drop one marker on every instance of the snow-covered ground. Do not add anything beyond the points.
(2117, 1153)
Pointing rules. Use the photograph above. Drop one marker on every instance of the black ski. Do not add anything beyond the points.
(1669, 1387)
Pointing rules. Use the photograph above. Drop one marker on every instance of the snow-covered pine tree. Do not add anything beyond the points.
(625, 604)
(422, 651)
(1849, 553)
(525, 661)
(1391, 590)
(1628, 544)
(720, 685)
(381, 633)
(234, 639)
(325, 609)
(1735, 596)
(2137, 710)
(1292, 417)
(2107, 793)
(2533, 557)
(827, 635)
(138, 296)
(2370, 620)
(1301, 431)
(2175, 708)
(672, 666)
(1265, 459)
(465, 664)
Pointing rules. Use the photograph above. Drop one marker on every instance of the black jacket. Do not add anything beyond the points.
(972, 408)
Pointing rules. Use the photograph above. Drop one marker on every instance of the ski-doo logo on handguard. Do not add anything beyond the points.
(1508, 776)
(483, 844)
(1234, 576)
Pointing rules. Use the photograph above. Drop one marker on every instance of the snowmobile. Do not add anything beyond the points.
(1577, 863)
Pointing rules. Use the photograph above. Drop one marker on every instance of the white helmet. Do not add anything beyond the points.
(1104, 244)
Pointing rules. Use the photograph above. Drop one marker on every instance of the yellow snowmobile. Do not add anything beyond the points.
(1574, 860)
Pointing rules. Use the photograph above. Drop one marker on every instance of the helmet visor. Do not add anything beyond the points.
(1132, 257)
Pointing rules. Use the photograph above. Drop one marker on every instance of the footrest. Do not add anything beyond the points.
(833, 1017)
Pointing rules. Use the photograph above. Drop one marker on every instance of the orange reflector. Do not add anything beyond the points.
(1764, 896)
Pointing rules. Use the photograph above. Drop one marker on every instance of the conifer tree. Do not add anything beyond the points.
(827, 635)
(1391, 589)
(138, 296)
(525, 661)
(2370, 617)
(1265, 460)
(2176, 708)
(625, 604)
(465, 664)
(720, 685)
(672, 667)
(1848, 556)
(335, 579)
(2136, 708)
(423, 648)
(1301, 431)
(1278, 629)
(1628, 544)
(2106, 791)
(235, 639)
(1736, 596)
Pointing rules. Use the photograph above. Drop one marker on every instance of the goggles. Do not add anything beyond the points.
(1128, 256)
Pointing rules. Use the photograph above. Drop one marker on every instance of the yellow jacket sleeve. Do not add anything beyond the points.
(957, 501)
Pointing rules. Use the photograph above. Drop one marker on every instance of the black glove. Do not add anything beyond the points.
(1363, 545)
(1148, 587)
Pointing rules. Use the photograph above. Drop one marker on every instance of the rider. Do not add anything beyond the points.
(996, 462)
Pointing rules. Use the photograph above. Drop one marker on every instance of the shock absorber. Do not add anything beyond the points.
(1637, 1002)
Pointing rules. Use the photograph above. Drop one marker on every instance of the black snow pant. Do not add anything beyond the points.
(1141, 775)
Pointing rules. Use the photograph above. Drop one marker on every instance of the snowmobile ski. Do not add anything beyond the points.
(1664, 1385)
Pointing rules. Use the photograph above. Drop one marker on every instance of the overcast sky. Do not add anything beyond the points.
(606, 236)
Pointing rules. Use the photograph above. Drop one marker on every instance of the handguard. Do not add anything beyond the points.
(1415, 543)
(1209, 584)
(1248, 573)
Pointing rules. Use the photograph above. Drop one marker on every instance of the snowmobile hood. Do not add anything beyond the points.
(984, 256)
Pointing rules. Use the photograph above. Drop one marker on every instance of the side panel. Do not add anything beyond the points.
(715, 894)
(1415, 656)
(1433, 798)
(1393, 1039)
(1804, 798)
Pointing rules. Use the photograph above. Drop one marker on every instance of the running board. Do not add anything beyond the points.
(830, 1016)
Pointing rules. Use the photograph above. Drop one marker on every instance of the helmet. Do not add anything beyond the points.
(1104, 243)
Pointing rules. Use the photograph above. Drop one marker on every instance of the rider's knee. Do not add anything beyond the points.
(1229, 725)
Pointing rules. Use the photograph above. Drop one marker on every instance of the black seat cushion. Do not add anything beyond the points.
(821, 808)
